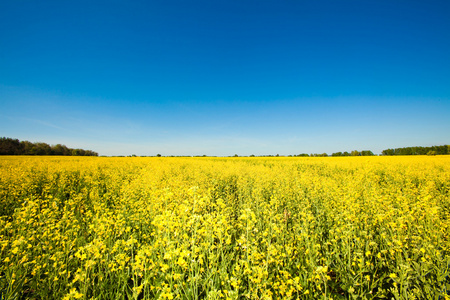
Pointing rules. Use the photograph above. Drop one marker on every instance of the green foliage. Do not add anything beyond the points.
(438, 150)
(9, 146)
(367, 153)
(354, 153)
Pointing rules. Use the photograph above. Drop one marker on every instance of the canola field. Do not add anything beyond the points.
(225, 228)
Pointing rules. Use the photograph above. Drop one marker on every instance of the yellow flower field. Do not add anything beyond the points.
(225, 228)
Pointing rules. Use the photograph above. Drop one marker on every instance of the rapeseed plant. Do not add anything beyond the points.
(222, 228)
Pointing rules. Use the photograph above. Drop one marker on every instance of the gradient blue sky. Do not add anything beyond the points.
(225, 77)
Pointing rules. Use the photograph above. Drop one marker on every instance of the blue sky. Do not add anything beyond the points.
(225, 77)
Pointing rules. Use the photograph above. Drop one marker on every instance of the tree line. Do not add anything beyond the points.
(9, 146)
(354, 153)
(433, 150)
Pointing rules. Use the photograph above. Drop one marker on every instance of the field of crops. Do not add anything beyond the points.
(225, 228)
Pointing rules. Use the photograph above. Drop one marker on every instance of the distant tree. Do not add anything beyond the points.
(91, 153)
(367, 153)
(439, 150)
(43, 149)
(158, 155)
(27, 148)
(59, 150)
(355, 153)
(337, 154)
(10, 146)
(388, 152)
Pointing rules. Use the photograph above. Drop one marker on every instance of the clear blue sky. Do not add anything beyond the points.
(225, 77)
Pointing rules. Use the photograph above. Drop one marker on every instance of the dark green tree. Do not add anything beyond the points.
(367, 153)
